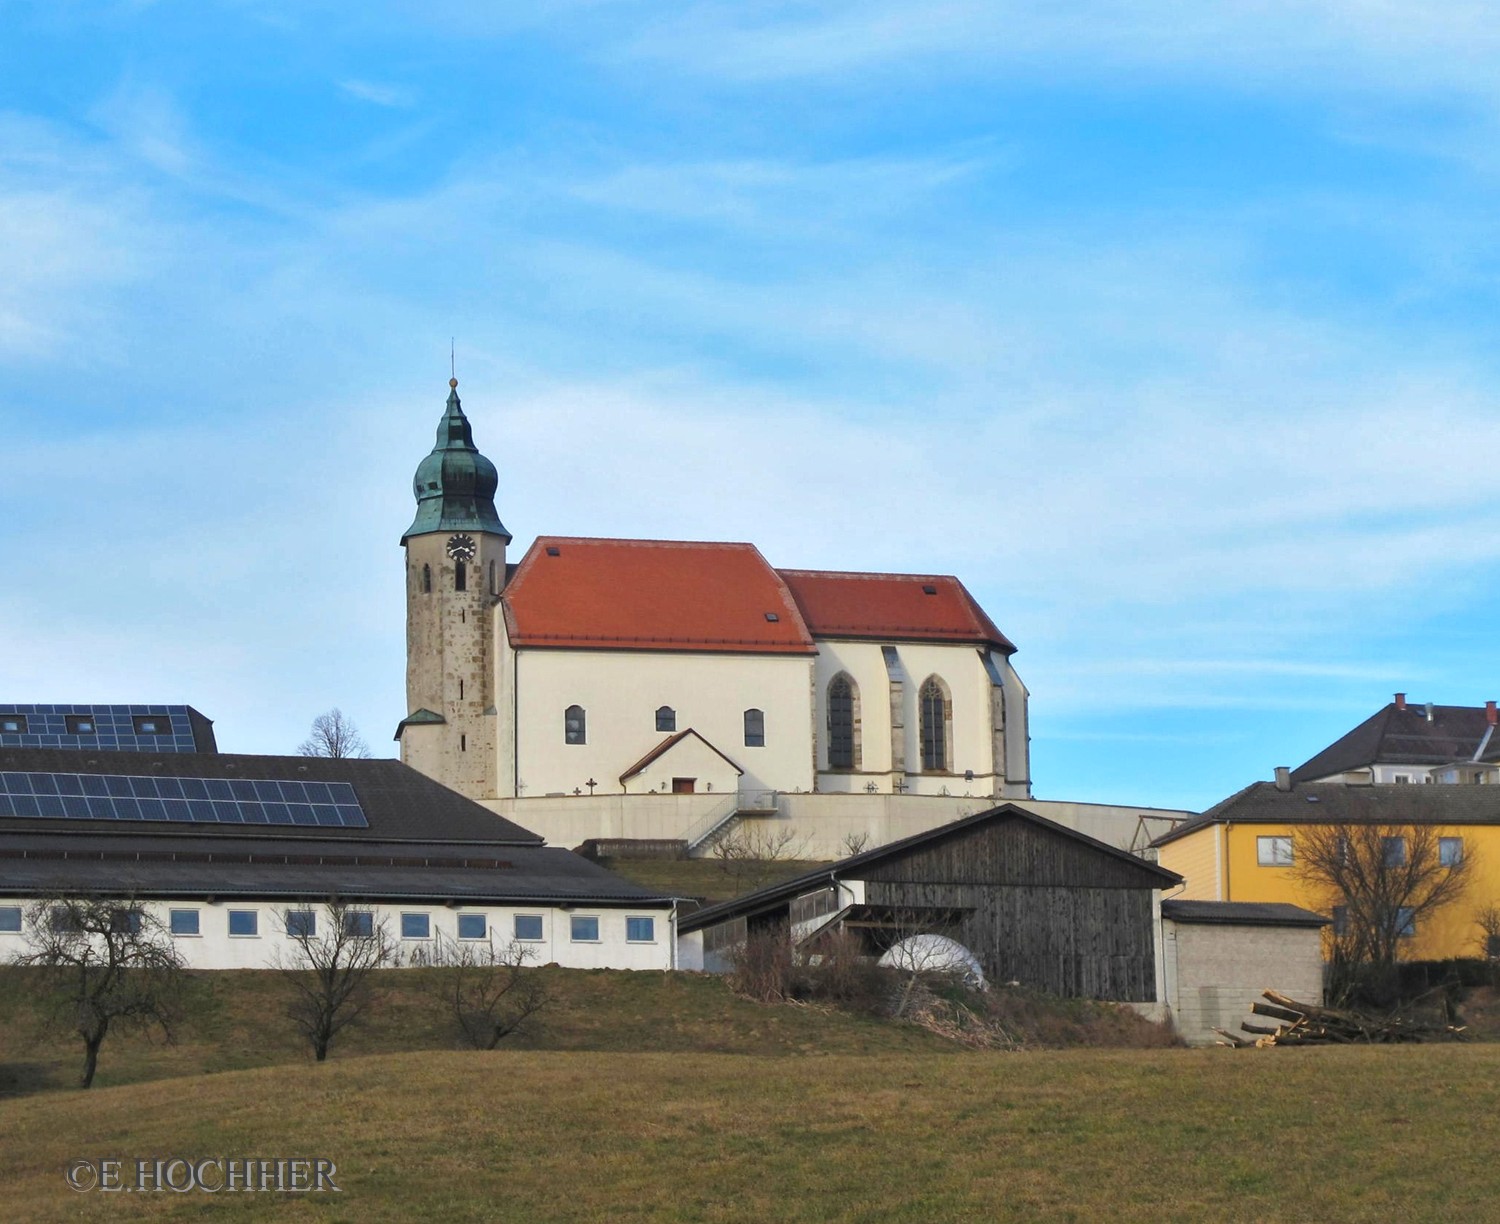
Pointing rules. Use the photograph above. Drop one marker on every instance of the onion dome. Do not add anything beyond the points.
(455, 485)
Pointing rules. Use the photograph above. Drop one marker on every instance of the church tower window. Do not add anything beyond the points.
(755, 729)
(666, 718)
(575, 725)
(460, 576)
(936, 709)
(427, 580)
(843, 731)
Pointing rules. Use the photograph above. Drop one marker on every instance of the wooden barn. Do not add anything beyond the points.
(1035, 902)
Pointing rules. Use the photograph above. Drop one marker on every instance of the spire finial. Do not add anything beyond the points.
(452, 365)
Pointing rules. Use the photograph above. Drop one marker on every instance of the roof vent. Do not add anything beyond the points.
(1314, 799)
(772, 617)
(553, 550)
(928, 589)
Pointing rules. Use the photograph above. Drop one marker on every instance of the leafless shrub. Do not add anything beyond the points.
(751, 858)
(98, 963)
(762, 967)
(329, 966)
(488, 990)
(855, 843)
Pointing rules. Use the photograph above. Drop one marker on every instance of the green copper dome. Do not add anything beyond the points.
(455, 485)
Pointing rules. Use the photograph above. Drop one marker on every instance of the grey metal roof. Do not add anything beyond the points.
(1241, 913)
(400, 803)
(850, 868)
(271, 868)
(1339, 803)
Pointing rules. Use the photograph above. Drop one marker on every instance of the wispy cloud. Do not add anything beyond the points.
(394, 96)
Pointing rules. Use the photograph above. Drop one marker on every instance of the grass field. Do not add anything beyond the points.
(1397, 1133)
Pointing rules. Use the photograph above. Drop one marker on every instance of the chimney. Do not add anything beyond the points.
(1428, 708)
(1401, 701)
(1283, 778)
(1489, 713)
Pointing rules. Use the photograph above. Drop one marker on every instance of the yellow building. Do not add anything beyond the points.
(1246, 849)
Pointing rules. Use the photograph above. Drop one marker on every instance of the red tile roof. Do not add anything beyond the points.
(891, 607)
(651, 595)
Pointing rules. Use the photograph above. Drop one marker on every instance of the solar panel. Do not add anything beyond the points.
(109, 728)
(67, 796)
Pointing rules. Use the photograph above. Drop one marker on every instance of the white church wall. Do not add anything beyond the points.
(620, 691)
(821, 825)
(215, 948)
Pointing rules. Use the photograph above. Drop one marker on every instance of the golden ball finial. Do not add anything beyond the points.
(453, 382)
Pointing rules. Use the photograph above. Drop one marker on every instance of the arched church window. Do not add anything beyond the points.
(460, 576)
(666, 718)
(936, 709)
(842, 733)
(427, 580)
(575, 725)
(755, 728)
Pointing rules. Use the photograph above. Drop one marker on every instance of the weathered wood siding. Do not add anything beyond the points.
(1041, 908)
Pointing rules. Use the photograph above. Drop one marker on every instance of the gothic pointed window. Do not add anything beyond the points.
(936, 710)
(843, 747)
(666, 718)
(575, 725)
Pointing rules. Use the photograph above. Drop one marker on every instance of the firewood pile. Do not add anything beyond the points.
(1307, 1024)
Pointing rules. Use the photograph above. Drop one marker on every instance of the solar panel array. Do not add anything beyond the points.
(244, 801)
(111, 728)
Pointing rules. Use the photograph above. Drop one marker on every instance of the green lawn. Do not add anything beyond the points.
(1338, 1134)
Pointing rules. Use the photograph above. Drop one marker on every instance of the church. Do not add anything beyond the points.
(638, 689)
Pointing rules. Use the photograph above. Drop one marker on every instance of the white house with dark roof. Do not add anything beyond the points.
(232, 851)
(1407, 742)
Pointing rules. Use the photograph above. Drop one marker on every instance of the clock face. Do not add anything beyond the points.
(461, 548)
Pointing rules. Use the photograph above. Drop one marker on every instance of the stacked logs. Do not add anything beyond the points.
(1308, 1024)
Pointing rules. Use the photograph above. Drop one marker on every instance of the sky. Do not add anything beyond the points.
(1170, 331)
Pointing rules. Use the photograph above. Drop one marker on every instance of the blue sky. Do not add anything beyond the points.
(1171, 333)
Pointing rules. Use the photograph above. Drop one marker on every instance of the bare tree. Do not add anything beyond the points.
(855, 843)
(328, 968)
(1488, 921)
(752, 858)
(100, 963)
(334, 735)
(489, 990)
(1380, 881)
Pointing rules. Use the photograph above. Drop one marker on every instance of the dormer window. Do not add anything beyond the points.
(12, 724)
(151, 724)
(80, 724)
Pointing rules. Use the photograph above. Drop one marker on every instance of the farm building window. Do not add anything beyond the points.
(936, 710)
(62, 921)
(125, 921)
(640, 930)
(183, 922)
(1341, 920)
(585, 928)
(666, 718)
(1394, 849)
(359, 924)
(471, 926)
(416, 926)
(301, 924)
(10, 918)
(1273, 851)
(244, 923)
(755, 728)
(575, 725)
(1450, 851)
(843, 723)
(529, 928)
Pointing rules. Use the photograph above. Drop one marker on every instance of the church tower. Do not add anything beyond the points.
(455, 567)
